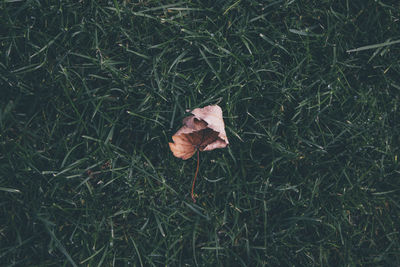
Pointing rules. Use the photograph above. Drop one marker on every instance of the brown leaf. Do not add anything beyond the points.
(203, 131)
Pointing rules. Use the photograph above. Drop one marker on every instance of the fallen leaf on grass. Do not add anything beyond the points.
(204, 130)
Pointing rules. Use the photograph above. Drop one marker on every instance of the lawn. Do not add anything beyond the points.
(91, 93)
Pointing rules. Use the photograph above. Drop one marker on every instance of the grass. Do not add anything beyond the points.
(92, 91)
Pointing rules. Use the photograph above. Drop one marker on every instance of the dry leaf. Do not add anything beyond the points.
(203, 131)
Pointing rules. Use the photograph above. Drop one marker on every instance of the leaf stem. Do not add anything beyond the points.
(195, 175)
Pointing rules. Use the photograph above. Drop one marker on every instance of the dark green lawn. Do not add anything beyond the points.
(92, 91)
